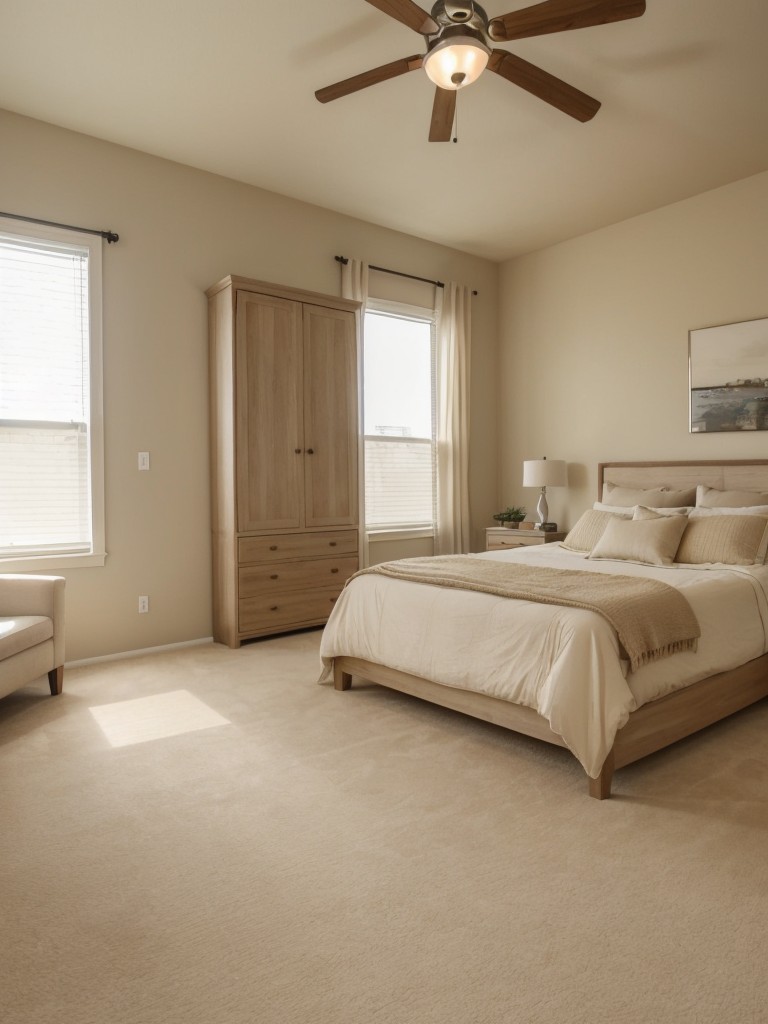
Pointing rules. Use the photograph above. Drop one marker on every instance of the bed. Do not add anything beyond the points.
(562, 674)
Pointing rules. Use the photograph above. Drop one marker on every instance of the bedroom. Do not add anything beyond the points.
(579, 348)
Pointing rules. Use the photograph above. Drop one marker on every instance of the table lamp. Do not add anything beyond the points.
(544, 473)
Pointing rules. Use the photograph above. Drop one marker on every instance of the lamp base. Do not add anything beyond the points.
(542, 509)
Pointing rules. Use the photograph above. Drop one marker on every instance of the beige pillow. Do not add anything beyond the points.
(589, 529)
(656, 497)
(641, 512)
(711, 497)
(731, 540)
(650, 541)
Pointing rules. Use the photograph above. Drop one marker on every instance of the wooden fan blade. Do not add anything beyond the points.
(408, 13)
(372, 77)
(561, 16)
(540, 83)
(443, 110)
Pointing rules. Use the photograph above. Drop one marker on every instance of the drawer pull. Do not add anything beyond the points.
(334, 570)
(332, 600)
(297, 450)
(332, 543)
(274, 608)
(273, 547)
(274, 576)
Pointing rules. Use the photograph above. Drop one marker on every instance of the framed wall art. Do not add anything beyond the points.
(728, 372)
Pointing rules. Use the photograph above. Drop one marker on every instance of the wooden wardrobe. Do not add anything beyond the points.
(284, 456)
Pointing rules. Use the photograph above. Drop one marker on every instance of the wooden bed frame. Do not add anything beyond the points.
(656, 724)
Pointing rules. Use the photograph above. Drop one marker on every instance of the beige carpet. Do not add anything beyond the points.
(305, 856)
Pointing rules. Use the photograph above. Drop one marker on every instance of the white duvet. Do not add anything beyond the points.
(562, 662)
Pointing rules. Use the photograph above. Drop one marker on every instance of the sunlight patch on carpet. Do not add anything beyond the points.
(154, 718)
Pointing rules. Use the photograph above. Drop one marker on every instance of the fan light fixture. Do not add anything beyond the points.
(456, 61)
(460, 43)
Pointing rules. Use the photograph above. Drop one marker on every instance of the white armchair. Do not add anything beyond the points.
(31, 631)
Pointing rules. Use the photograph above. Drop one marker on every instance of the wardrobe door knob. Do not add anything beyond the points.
(310, 451)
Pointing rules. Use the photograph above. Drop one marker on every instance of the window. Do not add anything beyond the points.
(399, 409)
(51, 461)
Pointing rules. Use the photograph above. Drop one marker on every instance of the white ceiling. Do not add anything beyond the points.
(229, 87)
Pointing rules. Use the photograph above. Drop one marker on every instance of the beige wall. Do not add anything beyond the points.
(594, 339)
(180, 231)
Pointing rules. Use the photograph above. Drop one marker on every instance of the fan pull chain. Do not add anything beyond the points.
(456, 119)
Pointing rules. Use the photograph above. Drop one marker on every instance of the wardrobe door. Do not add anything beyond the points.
(330, 417)
(269, 413)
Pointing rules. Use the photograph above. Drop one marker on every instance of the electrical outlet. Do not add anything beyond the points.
(143, 604)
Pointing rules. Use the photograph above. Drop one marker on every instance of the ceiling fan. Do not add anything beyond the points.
(460, 36)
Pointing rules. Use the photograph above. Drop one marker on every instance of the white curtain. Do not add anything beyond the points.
(354, 281)
(453, 306)
(354, 285)
(454, 313)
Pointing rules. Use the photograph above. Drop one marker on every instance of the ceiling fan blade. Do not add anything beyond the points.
(561, 16)
(408, 13)
(443, 110)
(548, 88)
(372, 77)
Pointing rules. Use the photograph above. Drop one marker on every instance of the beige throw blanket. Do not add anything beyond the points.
(651, 619)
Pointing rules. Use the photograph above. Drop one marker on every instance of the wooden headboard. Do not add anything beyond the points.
(726, 475)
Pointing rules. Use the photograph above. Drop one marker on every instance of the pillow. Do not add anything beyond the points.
(656, 497)
(600, 506)
(650, 541)
(711, 497)
(731, 540)
(589, 529)
(641, 512)
(743, 510)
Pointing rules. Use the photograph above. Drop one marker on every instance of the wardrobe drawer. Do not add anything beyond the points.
(255, 580)
(294, 608)
(277, 547)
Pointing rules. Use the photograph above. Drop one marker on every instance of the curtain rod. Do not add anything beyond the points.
(397, 273)
(109, 235)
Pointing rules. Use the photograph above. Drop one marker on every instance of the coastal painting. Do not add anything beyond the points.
(728, 369)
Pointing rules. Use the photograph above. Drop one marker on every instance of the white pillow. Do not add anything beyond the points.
(617, 510)
(649, 541)
(642, 512)
(742, 510)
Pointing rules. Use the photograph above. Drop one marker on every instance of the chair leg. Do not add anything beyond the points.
(56, 680)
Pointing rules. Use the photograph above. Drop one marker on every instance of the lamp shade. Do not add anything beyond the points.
(544, 473)
(456, 62)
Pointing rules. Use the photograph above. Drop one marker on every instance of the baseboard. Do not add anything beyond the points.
(139, 653)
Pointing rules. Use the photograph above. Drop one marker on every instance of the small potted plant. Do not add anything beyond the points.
(511, 516)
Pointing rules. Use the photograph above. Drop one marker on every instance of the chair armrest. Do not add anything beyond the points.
(36, 595)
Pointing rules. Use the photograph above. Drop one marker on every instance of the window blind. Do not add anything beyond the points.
(399, 405)
(45, 494)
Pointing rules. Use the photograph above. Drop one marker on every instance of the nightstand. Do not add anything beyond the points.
(498, 537)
